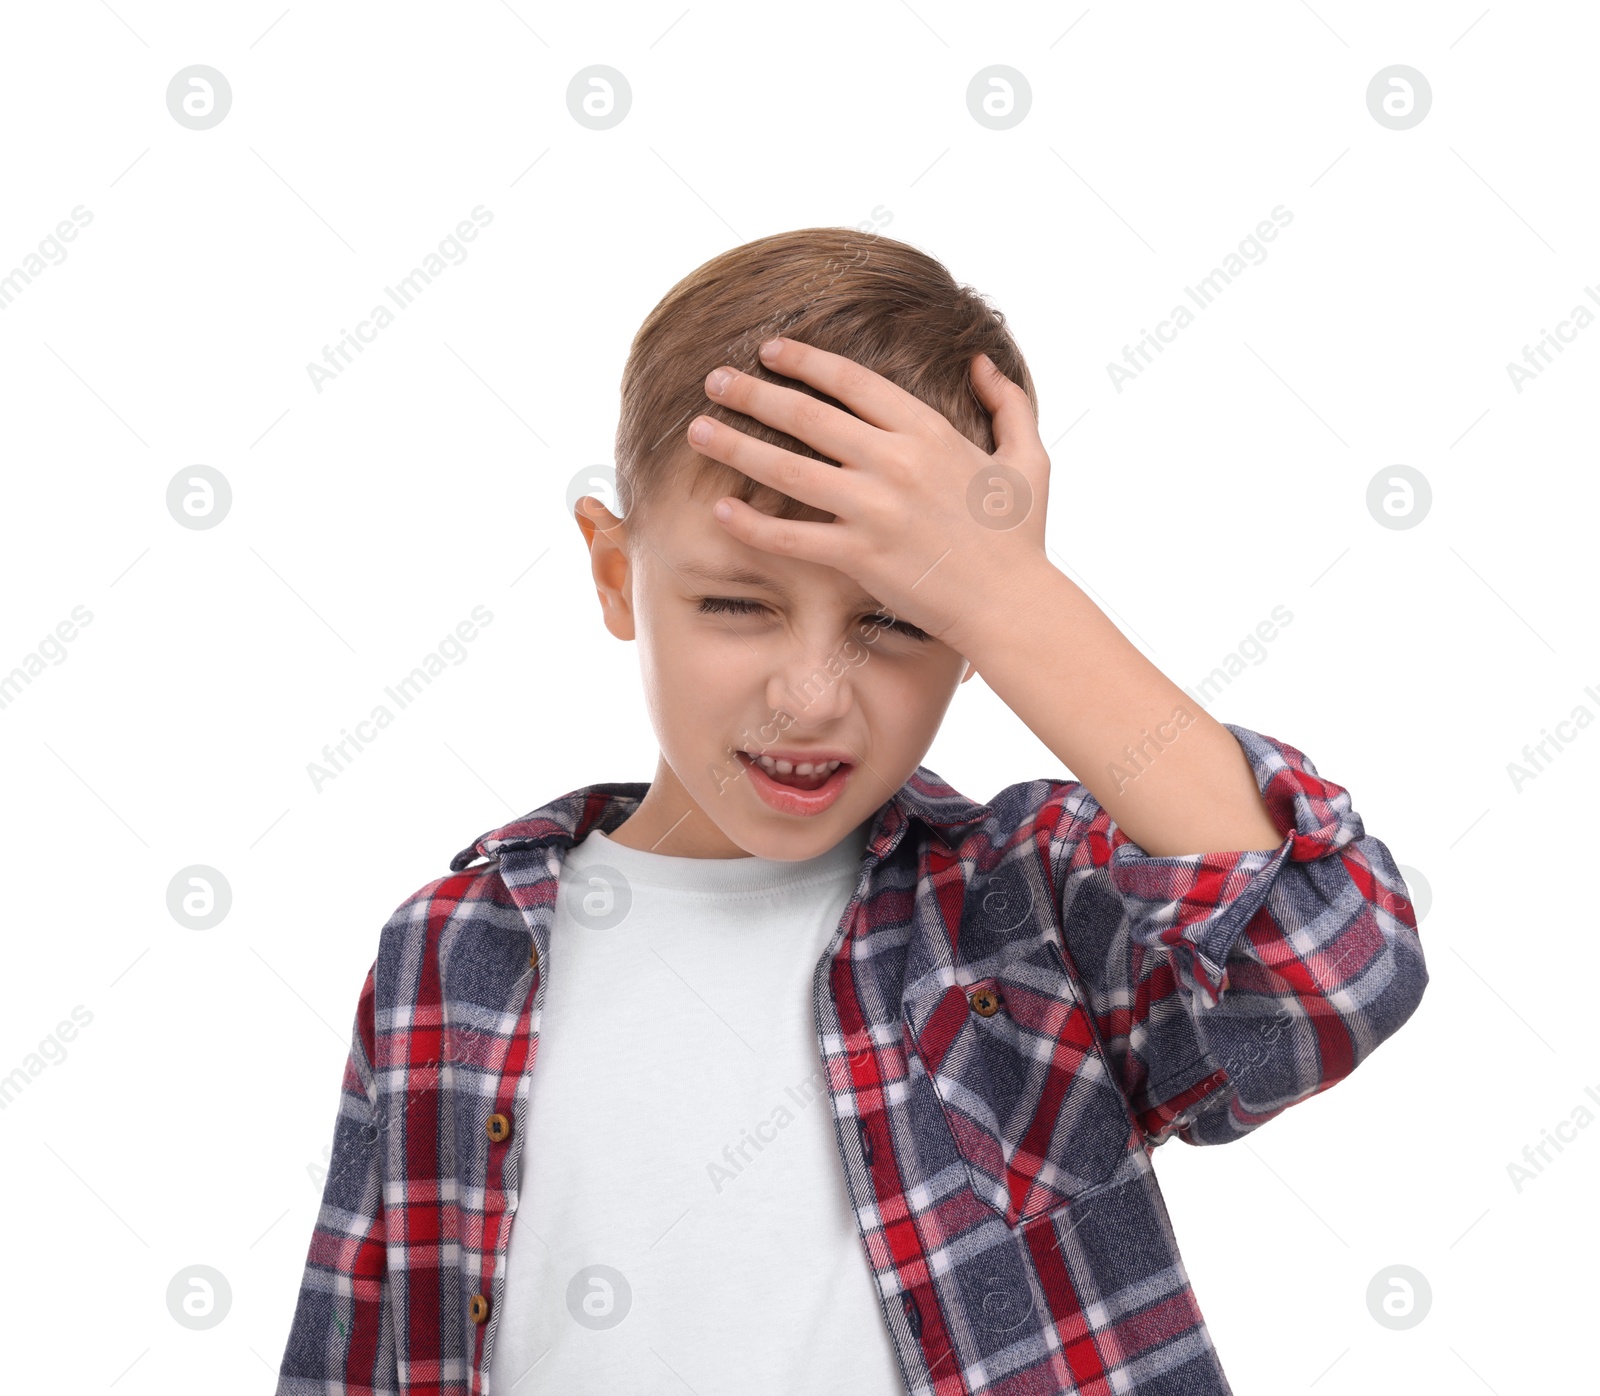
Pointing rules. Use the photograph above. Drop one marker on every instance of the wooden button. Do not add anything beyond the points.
(533, 954)
(499, 1127)
(478, 1308)
(984, 1001)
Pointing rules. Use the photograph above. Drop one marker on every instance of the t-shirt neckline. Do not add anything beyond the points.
(717, 875)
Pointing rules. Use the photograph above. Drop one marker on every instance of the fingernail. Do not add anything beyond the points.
(717, 380)
(700, 431)
(770, 348)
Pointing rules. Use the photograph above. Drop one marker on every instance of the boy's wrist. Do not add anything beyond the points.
(1012, 618)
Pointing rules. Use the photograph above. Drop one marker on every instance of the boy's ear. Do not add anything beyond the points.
(606, 537)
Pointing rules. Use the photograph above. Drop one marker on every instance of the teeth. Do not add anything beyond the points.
(804, 768)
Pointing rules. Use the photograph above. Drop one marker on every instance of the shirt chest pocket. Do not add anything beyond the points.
(1032, 1108)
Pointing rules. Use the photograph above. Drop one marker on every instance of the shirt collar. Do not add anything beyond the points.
(569, 818)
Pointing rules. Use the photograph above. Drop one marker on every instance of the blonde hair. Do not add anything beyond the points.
(880, 302)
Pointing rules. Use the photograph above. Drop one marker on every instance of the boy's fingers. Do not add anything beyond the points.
(1012, 413)
(822, 426)
(798, 538)
(817, 483)
(871, 396)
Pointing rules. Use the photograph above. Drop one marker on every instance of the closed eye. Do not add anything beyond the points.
(744, 606)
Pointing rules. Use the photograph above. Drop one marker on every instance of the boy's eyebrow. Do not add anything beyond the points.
(741, 575)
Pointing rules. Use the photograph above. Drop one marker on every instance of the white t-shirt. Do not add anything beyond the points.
(680, 1139)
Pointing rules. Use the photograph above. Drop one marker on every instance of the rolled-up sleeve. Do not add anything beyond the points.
(1226, 987)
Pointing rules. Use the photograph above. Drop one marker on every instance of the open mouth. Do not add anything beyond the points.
(812, 779)
(795, 792)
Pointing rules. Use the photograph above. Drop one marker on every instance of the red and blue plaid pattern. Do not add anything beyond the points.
(1018, 1005)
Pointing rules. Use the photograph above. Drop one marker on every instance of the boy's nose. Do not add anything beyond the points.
(814, 689)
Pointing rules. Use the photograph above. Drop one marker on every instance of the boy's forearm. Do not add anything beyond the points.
(1172, 776)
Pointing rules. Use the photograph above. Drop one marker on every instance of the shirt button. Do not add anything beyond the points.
(499, 1127)
(533, 955)
(984, 1001)
(478, 1308)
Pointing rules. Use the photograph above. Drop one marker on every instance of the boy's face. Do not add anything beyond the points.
(793, 667)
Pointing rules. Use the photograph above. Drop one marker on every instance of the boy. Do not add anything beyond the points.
(844, 1082)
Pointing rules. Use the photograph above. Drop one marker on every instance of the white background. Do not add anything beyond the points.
(183, 1123)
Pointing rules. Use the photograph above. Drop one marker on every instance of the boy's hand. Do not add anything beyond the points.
(938, 531)
(952, 540)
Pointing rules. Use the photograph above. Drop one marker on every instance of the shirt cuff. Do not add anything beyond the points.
(1193, 907)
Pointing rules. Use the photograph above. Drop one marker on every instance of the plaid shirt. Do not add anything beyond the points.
(1017, 1006)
